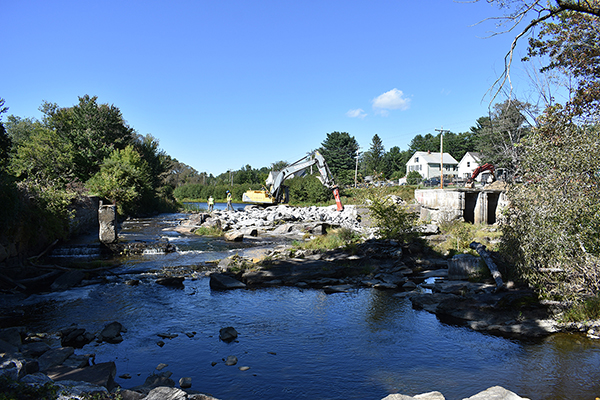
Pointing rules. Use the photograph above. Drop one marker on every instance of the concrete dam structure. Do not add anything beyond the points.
(478, 206)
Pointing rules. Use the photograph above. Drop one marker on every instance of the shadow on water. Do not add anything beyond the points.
(302, 343)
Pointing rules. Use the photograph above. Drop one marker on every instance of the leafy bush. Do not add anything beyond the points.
(413, 178)
(584, 310)
(208, 231)
(392, 220)
(552, 227)
(342, 237)
(124, 178)
(10, 390)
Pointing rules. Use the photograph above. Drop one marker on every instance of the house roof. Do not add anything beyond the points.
(476, 156)
(434, 158)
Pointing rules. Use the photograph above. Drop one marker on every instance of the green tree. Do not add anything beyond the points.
(395, 162)
(424, 143)
(124, 178)
(5, 141)
(374, 158)
(279, 165)
(156, 158)
(498, 140)
(538, 13)
(339, 150)
(308, 189)
(45, 156)
(20, 129)
(182, 174)
(571, 43)
(94, 131)
(552, 229)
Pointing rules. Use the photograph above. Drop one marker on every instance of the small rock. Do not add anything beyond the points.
(230, 360)
(167, 335)
(161, 366)
(125, 376)
(171, 281)
(244, 368)
(228, 334)
(160, 343)
(185, 383)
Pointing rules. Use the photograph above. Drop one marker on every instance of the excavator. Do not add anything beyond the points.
(482, 168)
(277, 192)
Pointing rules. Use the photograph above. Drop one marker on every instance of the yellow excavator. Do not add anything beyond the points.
(277, 192)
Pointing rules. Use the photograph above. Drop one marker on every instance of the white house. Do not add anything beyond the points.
(468, 164)
(428, 164)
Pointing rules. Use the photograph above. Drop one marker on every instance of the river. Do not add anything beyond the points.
(299, 343)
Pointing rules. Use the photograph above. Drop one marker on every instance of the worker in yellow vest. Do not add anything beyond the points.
(229, 206)
(211, 203)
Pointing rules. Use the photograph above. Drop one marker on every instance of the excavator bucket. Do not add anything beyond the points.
(338, 202)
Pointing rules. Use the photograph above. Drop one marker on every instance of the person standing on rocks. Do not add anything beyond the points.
(211, 203)
(229, 206)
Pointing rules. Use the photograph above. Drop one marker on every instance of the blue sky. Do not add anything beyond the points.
(223, 84)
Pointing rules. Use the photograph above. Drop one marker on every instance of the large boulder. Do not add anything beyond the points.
(112, 333)
(12, 367)
(81, 390)
(102, 374)
(496, 393)
(465, 266)
(424, 396)
(54, 357)
(77, 338)
(12, 335)
(234, 236)
(219, 281)
(166, 393)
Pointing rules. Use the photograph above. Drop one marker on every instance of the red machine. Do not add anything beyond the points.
(482, 168)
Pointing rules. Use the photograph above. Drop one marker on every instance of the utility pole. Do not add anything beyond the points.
(441, 131)
(356, 169)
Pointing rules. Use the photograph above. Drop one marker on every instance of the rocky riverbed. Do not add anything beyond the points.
(411, 269)
(406, 270)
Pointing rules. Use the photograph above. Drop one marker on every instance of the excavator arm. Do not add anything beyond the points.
(276, 179)
(485, 167)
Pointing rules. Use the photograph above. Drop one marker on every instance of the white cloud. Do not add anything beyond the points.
(358, 113)
(392, 100)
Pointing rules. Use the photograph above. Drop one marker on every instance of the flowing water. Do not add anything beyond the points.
(300, 343)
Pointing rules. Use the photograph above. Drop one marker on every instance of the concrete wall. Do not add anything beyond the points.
(13, 251)
(472, 205)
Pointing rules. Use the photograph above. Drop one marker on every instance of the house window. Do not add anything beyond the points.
(468, 164)
(416, 159)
